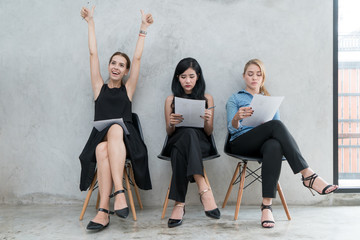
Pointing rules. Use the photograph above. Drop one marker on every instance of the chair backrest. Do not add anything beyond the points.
(137, 124)
(214, 153)
(227, 149)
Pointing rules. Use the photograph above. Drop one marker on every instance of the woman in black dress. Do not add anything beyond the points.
(187, 146)
(109, 147)
(270, 141)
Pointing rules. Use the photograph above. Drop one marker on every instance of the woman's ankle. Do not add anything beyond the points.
(201, 183)
(105, 205)
(267, 201)
(307, 172)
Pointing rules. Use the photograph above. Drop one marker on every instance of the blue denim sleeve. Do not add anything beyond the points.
(277, 115)
(231, 109)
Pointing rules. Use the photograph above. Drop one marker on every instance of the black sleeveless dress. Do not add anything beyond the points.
(114, 103)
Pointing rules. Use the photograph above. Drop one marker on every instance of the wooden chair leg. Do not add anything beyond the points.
(166, 201)
(241, 189)
(231, 184)
(86, 202)
(97, 200)
(206, 178)
(135, 187)
(131, 200)
(283, 201)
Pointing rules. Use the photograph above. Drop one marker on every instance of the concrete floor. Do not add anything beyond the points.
(62, 222)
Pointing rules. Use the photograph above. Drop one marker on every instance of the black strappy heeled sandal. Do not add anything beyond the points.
(97, 226)
(311, 180)
(124, 212)
(176, 222)
(266, 221)
(215, 213)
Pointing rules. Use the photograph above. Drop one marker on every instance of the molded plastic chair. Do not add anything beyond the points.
(213, 154)
(128, 177)
(239, 177)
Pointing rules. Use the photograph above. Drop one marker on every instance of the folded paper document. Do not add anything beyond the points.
(100, 125)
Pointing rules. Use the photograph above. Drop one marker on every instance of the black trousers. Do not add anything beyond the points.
(187, 147)
(270, 141)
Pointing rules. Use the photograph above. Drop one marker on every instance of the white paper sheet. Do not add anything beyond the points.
(191, 110)
(264, 108)
(100, 125)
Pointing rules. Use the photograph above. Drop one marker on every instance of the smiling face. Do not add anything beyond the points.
(188, 80)
(117, 68)
(253, 78)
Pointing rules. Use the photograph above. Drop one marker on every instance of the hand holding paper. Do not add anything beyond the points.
(175, 119)
(243, 112)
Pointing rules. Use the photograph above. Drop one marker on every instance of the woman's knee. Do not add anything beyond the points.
(276, 123)
(115, 132)
(272, 146)
(101, 151)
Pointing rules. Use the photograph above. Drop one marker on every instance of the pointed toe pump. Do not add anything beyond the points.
(93, 226)
(176, 222)
(124, 212)
(215, 213)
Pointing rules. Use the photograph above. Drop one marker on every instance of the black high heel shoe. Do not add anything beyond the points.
(97, 226)
(124, 212)
(266, 221)
(176, 222)
(311, 180)
(215, 213)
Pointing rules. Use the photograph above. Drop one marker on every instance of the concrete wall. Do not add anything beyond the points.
(46, 98)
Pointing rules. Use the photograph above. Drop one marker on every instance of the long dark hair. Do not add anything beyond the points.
(198, 92)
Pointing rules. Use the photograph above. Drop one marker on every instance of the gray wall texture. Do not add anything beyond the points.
(46, 104)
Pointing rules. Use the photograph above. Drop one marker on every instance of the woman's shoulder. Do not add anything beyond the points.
(234, 95)
(208, 96)
(170, 98)
(241, 94)
(241, 97)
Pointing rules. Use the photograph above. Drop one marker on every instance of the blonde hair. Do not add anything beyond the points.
(260, 64)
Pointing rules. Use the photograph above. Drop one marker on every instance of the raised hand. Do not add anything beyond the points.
(87, 14)
(146, 19)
